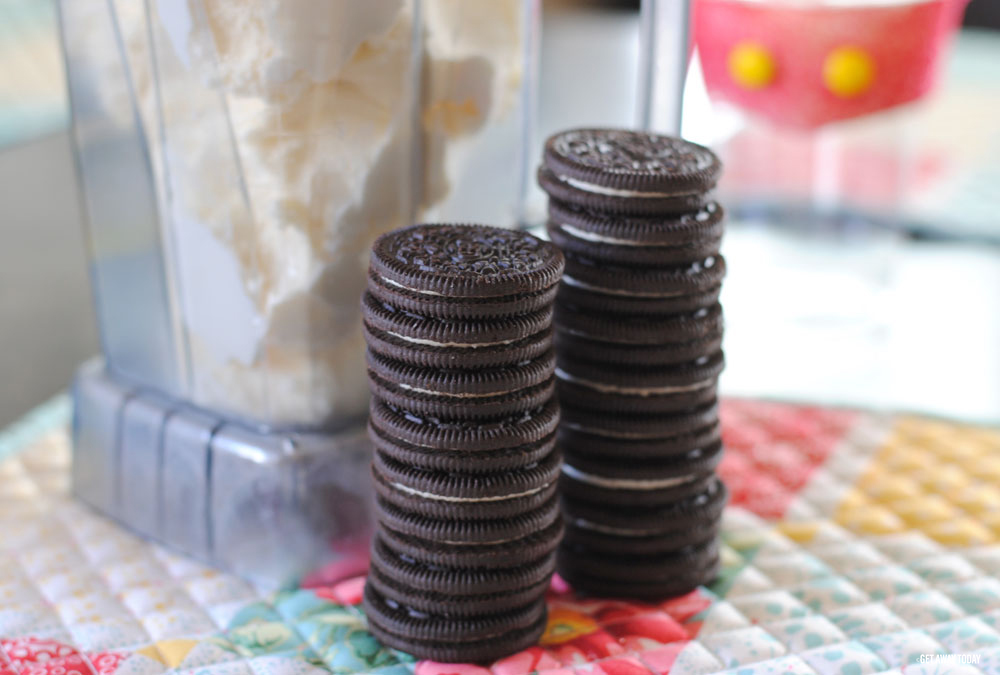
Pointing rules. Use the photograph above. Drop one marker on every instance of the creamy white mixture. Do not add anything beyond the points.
(285, 135)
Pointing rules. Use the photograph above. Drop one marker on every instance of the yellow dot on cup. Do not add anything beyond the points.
(751, 66)
(848, 71)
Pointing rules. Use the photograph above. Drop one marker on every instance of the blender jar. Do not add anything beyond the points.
(237, 159)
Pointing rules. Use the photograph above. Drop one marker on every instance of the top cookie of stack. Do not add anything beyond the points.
(450, 295)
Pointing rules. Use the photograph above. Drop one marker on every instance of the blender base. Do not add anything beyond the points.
(279, 509)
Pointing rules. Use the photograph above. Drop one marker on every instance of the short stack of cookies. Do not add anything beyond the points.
(638, 337)
(463, 422)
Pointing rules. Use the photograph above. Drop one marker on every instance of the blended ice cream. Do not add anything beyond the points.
(285, 136)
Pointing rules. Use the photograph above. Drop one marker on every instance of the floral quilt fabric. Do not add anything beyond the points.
(854, 543)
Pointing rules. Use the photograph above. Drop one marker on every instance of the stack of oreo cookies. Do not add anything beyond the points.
(638, 337)
(463, 421)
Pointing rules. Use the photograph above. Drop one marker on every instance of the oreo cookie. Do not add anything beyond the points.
(487, 601)
(453, 638)
(447, 306)
(577, 485)
(435, 494)
(643, 256)
(424, 354)
(465, 261)
(651, 282)
(440, 333)
(447, 433)
(475, 461)
(469, 530)
(587, 300)
(641, 576)
(639, 515)
(644, 568)
(589, 537)
(611, 473)
(619, 234)
(430, 576)
(635, 390)
(676, 399)
(642, 330)
(463, 419)
(639, 427)
(484, 392)
(629, 172)
(688, 446)
(631, 355)
(578, 242)
(397, 618)
(646, 164)
(640, 381)
(500, 554)
(627, 202)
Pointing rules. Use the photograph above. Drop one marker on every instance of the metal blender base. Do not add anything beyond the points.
(275, 508)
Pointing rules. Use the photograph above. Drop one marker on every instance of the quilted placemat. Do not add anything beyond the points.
(855, 543)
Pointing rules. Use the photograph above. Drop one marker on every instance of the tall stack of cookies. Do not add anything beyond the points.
(638, 337)
(463, 421)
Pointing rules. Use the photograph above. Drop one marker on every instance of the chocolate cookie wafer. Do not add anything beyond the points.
(465, 261)
(626, 172)
(638, 355)
(449, 637)
(653, 329)
(628, 235)
(484, 392)
(470, 461)
(640, 575)
(689, 444)
(504, 494)
(627, 390)
(637, 241)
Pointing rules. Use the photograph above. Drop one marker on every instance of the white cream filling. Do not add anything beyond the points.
(632, 391)
(620, 531)
(598, 238)
(465, 500)
(432, 343)
(407, 288)
(598, 431)
(614, 291)
(612, 192)
(479, 543)
(625, 483)
(418, 390)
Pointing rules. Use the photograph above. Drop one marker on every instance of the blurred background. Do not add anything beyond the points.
(864, 244)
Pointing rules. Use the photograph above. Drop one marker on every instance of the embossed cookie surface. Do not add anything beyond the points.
(465, 261)
(632, 160)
